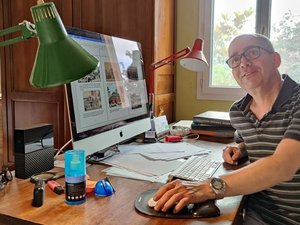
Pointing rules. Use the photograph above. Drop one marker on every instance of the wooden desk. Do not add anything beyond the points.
(15, 201)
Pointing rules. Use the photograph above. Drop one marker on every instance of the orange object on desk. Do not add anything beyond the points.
(90, 186)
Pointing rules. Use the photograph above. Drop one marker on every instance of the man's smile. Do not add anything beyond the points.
(248, 73)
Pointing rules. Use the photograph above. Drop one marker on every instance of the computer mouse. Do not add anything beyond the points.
(206, 209)
(151, 203)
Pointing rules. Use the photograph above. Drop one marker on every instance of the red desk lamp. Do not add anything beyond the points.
(193, 60)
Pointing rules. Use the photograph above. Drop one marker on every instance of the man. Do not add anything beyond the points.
(267, 123)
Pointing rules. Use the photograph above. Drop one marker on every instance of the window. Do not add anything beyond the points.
(224, 19)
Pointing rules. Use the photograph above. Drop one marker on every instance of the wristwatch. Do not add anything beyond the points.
(218, 186)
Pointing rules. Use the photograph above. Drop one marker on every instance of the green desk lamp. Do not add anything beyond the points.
(59, 58)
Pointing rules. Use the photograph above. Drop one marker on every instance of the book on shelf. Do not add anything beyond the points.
(224, 133)
(200, 126)
(216, 118)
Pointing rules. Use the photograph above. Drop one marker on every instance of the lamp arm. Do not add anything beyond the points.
(170, 59)
(27, 31)
(157, 65)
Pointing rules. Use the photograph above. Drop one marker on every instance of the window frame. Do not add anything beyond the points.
(204, 90)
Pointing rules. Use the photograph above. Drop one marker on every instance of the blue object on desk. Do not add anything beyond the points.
(75, 173)
(103, 188)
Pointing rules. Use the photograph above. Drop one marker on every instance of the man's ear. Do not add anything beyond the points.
(277, 59)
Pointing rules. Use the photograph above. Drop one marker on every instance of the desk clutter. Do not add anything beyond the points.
(77, 184)
(151, 162)
(155, 160)
(137, 193)
(5, 177)
(161, 162)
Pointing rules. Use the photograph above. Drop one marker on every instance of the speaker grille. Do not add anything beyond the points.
(34, 162)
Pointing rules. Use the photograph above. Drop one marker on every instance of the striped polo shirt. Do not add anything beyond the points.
(279, 204)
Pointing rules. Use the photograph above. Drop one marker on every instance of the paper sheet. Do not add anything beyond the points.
(121, 172)
(153, 159)
(142, 165)
(183, 123)
(163, 151)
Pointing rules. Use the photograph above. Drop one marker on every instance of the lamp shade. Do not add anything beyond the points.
(195, 59)
(59, 58)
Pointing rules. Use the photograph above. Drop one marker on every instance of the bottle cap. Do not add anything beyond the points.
(75, 165)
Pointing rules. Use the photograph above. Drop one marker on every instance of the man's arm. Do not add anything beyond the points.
(255, 177)
(265, 172)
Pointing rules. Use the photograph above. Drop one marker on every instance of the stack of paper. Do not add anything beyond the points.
(150, 161)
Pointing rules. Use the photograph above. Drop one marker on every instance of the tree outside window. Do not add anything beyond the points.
(233, 17)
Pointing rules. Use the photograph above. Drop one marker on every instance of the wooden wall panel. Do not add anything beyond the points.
(165, 105)
(165, 82)
(151, 22)
(31, 113)
(164, 77)
(3, 149)
(24, 104)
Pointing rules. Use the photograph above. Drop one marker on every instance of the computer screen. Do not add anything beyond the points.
(110, 105)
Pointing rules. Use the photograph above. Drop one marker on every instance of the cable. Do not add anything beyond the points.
(191, 137)
(97, 157)
(62, 148)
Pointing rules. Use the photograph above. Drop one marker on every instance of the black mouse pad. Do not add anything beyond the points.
(202, 210)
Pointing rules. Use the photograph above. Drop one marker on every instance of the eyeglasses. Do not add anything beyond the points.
(5, 177)
(250, 54)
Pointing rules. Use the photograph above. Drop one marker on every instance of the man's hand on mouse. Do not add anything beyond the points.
(178, 194)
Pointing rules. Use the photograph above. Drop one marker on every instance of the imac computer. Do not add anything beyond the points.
(110, 105)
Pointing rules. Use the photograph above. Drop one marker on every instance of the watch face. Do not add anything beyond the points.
(218, 185)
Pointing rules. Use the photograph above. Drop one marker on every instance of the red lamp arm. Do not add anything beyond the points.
(161, 63)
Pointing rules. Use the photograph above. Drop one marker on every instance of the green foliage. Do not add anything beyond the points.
(285, 37)
(229, 26)
(223, 76)
(287, 42)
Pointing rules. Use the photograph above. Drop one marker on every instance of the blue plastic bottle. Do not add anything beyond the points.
(75, 176)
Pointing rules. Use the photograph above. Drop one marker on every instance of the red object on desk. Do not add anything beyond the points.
(55, 187)
(173, 138)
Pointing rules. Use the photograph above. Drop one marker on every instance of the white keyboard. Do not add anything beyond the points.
(195, 168)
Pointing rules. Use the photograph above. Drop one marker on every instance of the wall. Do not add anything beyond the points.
(187, 104)
(149, 22)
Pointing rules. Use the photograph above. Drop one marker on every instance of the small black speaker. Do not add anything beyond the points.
(34, 150)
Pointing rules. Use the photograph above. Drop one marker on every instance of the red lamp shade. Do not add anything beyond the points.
(190, 59)
(195, 59)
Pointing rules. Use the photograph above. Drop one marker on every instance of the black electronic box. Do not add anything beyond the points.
(34, 150)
